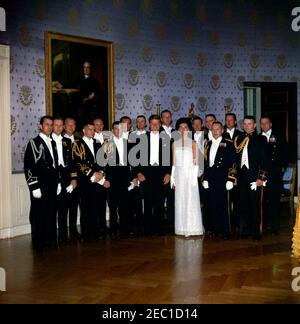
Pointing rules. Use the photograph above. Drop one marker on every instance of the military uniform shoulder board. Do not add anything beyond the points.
(228, 140)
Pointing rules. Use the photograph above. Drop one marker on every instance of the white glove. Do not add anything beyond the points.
(265, 183)
(58, 189)
(229, 185)
(70, 189)
(132, 185)
(102, 181)
(37, 194)
(195, 175)
(205, 185)
(172, 180)
(253, 186)
(93, 179)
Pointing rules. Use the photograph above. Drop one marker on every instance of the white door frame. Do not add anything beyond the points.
(5, 141)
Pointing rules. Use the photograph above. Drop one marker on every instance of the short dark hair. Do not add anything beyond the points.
(141, 116)
(87, 123)
(58, 118)
(166, 111)
(266, 117)
(231, 115)
(98, 117)
(116, 123)
(211, 115)
(42, 120)
(181, 121)
(125, 117)
(197, 118)
(218, 123)
(154, 117)
(70, 118)
(250, 118)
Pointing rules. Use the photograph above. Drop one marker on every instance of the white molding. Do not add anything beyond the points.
(8, 233)
(5, 136)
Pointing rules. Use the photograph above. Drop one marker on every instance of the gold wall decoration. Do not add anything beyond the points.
(147, 7)
(215, 38)
(175, 56)
(229, 105)
(202, 104)
(175, 103)
(148, 102)
(189, 81)
(189, 34)
(147, 54)
(133, 77)
(118, 4)
(215, 82)
(40, 68)
(120, 101)
(24, 35)
(255, 61)
(281, 61)
(268, 39)
(160, 31)
(13, 125)
(202, 59)
(161, 79)
(133, 28)
(25, 95)
(73, 17)
(174, 9)
(228, 16)
(119, 51)
(242, 39)
(240, 82)
(201, 14)
(103, 24)
(228, 60)
(40, 9)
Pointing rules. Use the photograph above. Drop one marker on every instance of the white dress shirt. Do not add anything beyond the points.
(231, 132)
(210, 135)
(213, 150)
(168, 130)
(125, 135)
(120, 147)
(99, 137)
(72, 138)
(245, 159)
(267, 134)
(48, 141)
(139, 133)
(154, 148)
(90, 143)
(58, 140)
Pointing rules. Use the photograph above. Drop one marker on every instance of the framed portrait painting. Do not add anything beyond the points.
(79, 78)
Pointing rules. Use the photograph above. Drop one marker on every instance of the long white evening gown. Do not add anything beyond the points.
(188, 215)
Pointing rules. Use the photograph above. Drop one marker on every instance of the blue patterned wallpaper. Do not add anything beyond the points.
(174, 52)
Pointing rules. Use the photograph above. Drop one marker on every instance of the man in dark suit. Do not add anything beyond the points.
(231, 132)
(91, 188)
(42, 176)
(219, 178)
(277, 154)
(118, 173)
(209, 120)
(252, 160)
(68, 176)
(169, 194)
(154, 176)
(73, 197)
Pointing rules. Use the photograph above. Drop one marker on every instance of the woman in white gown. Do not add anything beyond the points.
(185, 173)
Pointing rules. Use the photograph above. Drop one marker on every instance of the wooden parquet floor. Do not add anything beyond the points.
(151, 270)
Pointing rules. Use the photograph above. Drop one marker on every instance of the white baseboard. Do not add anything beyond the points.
(8, 233)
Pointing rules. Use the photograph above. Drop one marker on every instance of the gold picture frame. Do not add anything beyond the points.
(64, 59)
